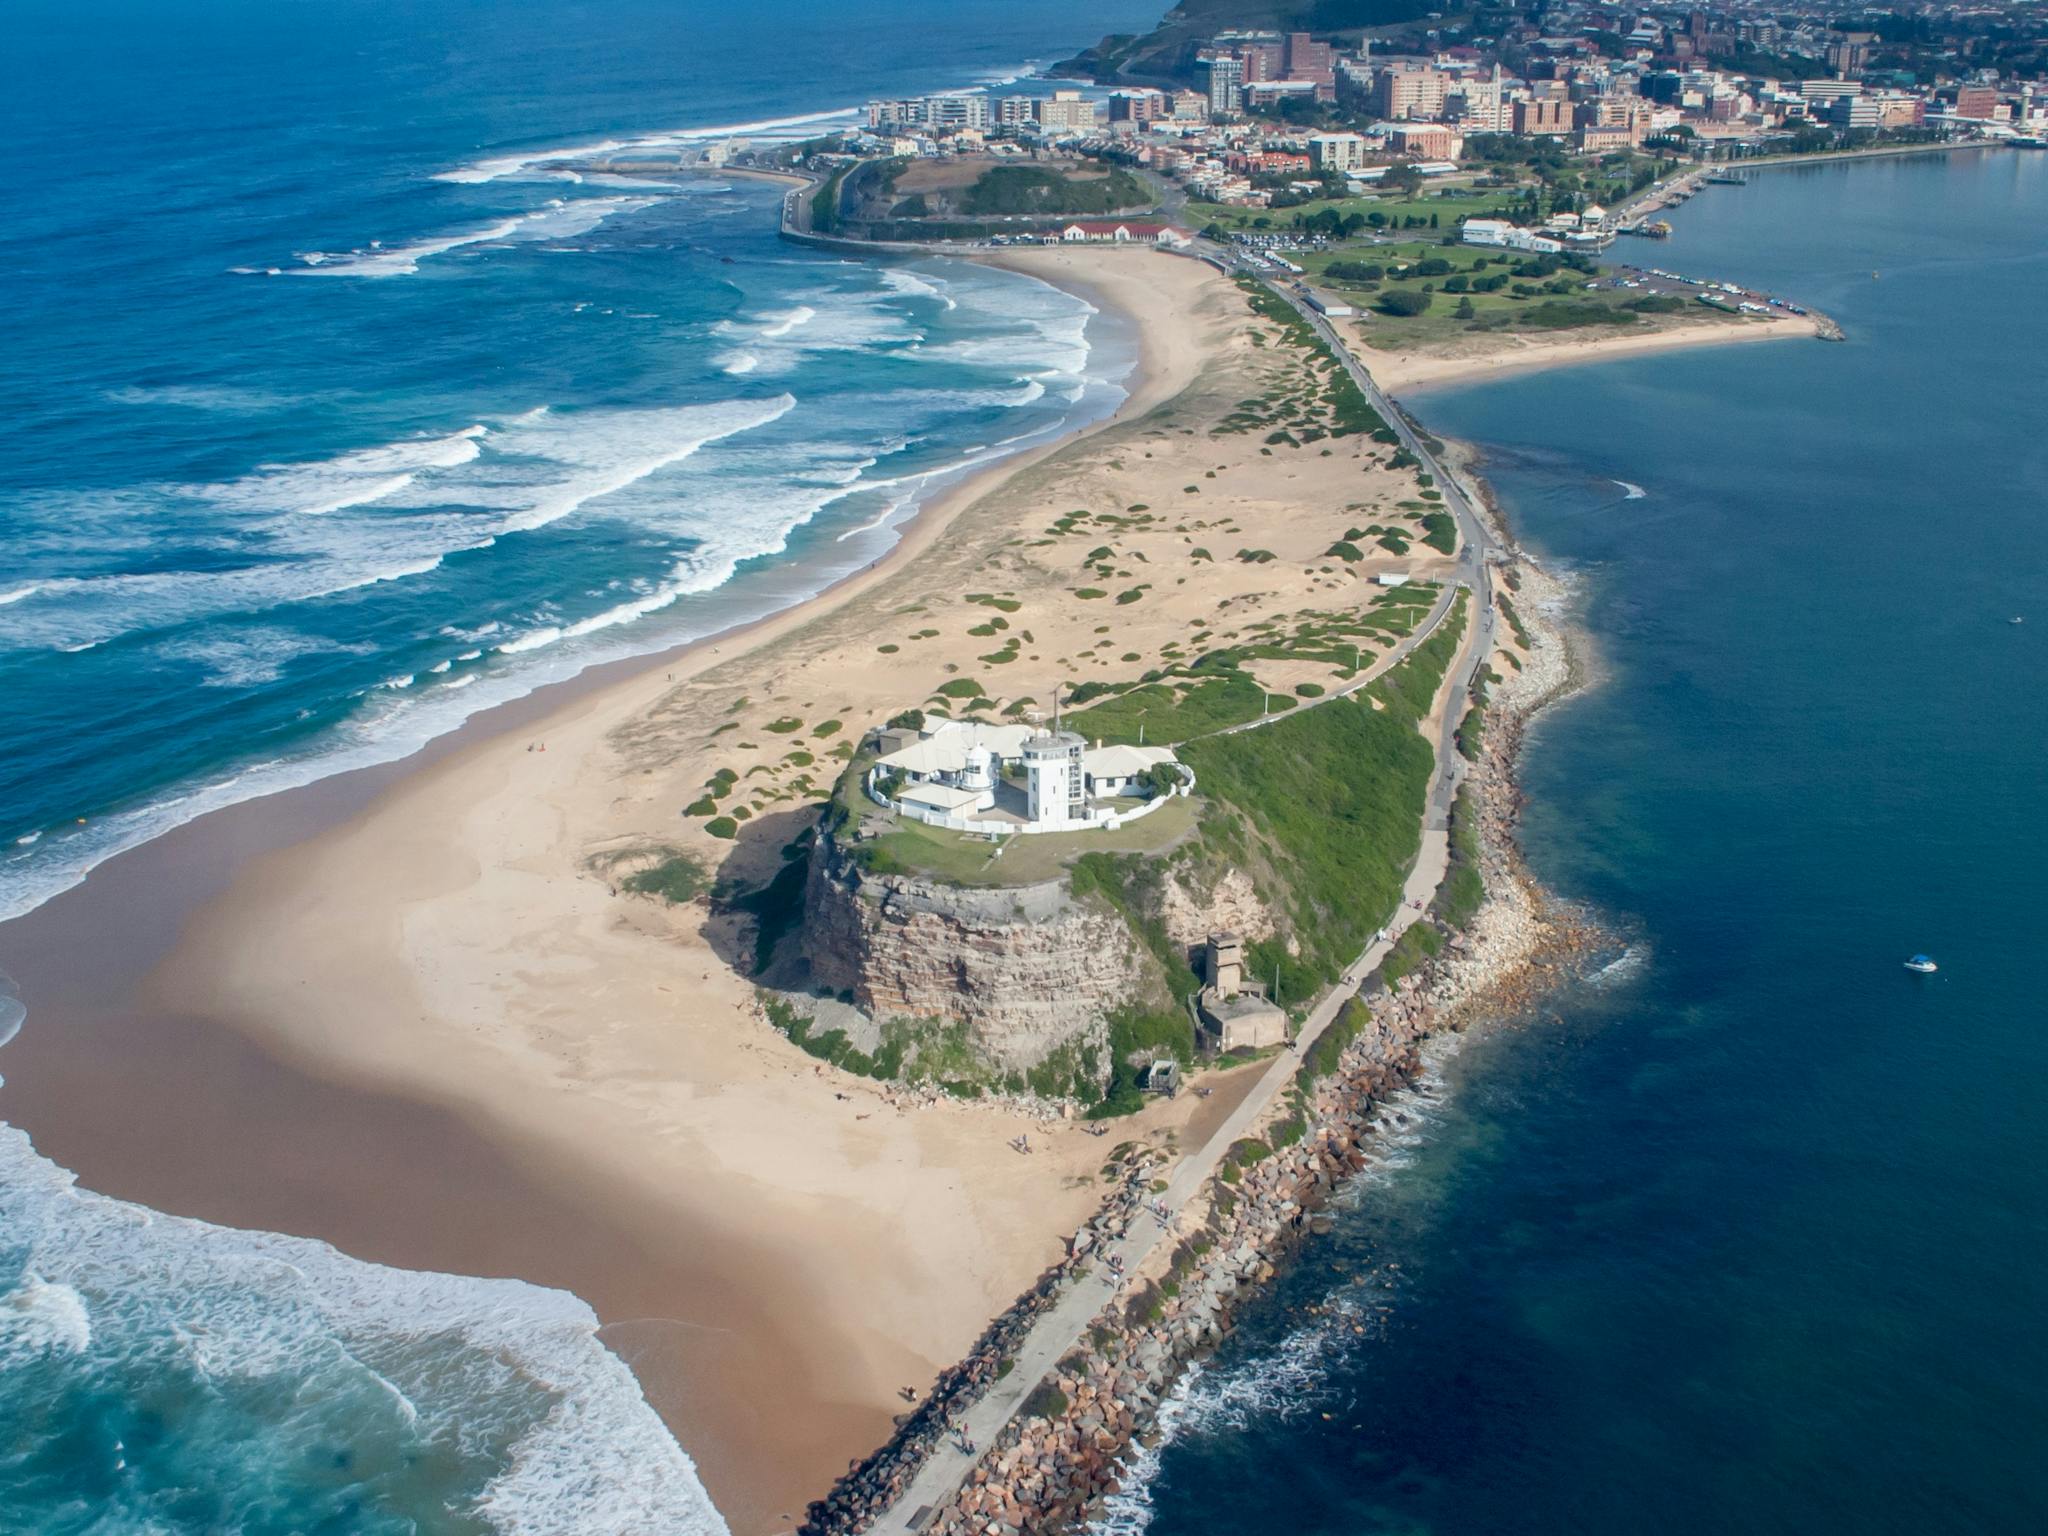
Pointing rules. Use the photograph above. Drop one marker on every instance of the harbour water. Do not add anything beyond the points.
(327, 419)
(1745, 1233)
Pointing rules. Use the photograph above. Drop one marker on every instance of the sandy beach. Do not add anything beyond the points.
(1498, 355)
(436, 1032)
(432, 1035)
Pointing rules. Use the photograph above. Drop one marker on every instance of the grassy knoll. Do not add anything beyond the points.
(1215, 691)
(1324, 1055)
(1177, 709)
(1464, 888)
(1026, 189)
(1396, 212)
(1420, 290)
(1337, 793)
(676, 879)
(962, 858)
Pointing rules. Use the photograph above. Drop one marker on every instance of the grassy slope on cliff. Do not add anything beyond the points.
(1336, 793)
(1024, 189)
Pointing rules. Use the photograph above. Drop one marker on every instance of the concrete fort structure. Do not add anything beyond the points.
(978, 776)
(1234, 1013)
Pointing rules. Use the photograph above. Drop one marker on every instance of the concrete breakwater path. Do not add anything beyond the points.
(1060, 1327)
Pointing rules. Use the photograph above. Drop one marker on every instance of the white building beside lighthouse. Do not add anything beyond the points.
(964, 774)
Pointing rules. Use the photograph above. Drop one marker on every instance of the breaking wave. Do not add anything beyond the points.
(261, 1353)
(1287, 1378)
(420, 501)
(501, 167)
(559, 220)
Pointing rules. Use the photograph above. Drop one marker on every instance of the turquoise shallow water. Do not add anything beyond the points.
(1748, 1233)
(324, 422)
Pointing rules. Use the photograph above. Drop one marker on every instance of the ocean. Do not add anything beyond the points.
(328, 419)
(1746, 1231)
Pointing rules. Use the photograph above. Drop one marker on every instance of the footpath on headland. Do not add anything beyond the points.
(1063, 1325)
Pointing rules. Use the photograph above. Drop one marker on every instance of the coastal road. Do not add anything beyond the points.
(1058, 1330)
(1061, 1328)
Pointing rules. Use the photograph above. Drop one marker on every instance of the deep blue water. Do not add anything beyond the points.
(1749, 1234)
(326, 419)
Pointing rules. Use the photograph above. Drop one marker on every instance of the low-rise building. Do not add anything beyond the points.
(1544, 117)
(1498, 232)
(962, 774)
(1113, 232)
(1438, 141)
(1065, 112)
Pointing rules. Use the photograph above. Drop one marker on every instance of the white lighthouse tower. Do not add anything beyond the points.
(1056, 790)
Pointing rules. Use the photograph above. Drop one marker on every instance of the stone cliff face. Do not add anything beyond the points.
(1189, 911)
(1028, 969)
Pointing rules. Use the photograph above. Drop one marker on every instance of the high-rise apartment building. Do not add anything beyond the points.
(1225, 80)
(1409, 90)
(1977, 102)
(1307, 59)
(1066, 112)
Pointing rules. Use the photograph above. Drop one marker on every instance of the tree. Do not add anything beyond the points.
(1401, 178)
(1403, 302)
(1464, 311)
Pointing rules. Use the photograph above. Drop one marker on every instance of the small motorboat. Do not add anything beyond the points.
(1922, 965)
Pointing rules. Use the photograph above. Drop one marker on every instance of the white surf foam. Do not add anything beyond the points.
(559, 220)
(658, 440)
(868, 319)
(1631, 491)
(198, 397)
(321, 529)
(453, 1359)
(905, 281)
(16, 594)
(347, 480)
(523, 163)
(787, 321)
(496, 478)
(247, 658)
(38, 1318)
(1288, 1379)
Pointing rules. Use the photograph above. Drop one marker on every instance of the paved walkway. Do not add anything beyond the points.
(1063, 1326)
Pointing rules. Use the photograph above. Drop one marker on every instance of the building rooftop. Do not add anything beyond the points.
(946, 744)
(1122, 762)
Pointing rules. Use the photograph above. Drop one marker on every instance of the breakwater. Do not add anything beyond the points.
(1056, 1460)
